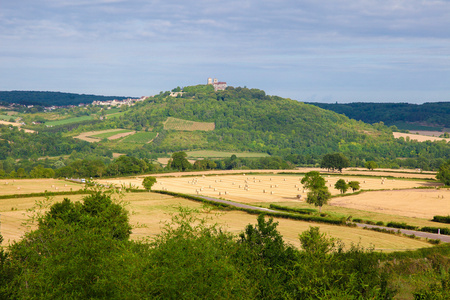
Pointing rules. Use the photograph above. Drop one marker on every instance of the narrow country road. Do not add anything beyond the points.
(434, 236)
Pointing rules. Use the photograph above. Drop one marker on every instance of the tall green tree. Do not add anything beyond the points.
(148, 182)
(334, 161)
(318, 197)
(354, 185)
(179, 161)
(312, 180)
(318, 192)
(371, 165)
(443, 174)
(341, 185)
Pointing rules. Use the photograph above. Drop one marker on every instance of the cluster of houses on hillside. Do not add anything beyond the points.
(129, 102)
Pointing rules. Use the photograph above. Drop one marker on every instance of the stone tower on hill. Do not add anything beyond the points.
(218, 85)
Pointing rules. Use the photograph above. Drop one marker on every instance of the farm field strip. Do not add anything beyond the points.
(110, 133)
(223, 154)
(418, 137)
(140, 137)
(68, 121)
(180, 124)
(91, 136)
(265, 189)
(410, 203)
(272, 188)
(149, 212)
(152, 211)
(27, 186)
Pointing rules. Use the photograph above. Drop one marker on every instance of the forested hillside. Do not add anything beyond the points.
(235, 120)
(431, 114)
(51, 98)
(249, 120)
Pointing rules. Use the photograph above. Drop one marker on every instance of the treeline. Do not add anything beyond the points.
(75, 167)
(433, 113)
(82, 250)
(15, 143)
(51, 98)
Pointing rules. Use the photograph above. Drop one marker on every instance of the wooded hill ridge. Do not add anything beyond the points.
(48, 99)
(435, 114)
(249, 120)
(245, 120)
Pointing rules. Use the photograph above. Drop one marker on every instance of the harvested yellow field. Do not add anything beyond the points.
(258, 188)
(410, 203)
(418, 137)
(19, 125)
(149, 212)
(89, 136)
(27, 186)
(14, 214)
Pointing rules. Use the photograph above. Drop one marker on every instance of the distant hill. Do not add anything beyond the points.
(51, 98)
(248, 120)
(400, 114)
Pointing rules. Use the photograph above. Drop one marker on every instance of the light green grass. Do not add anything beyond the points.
(223, 154)
(112, 111)
(139, 138)
(185, 125)
(69, 121)
(6, 118)
(106, 135)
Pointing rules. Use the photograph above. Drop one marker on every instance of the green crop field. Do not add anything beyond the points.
(180, 124)
(139, 138)
(223, 154)
(106, 135)
(68, 121)
(6, 118)
(112, 111)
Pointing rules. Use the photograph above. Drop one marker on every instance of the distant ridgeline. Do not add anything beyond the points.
(398, 114)
(51, 98)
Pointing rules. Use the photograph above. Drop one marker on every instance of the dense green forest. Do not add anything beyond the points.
(246, 120)
(250, 120)
(82, 250)
(435, 114)
(51, 98)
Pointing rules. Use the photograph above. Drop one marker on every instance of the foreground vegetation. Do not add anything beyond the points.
(82, 250)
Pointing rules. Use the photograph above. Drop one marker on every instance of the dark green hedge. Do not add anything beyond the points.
(441, 219)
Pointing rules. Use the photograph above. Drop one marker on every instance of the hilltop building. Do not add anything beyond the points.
(218, 85)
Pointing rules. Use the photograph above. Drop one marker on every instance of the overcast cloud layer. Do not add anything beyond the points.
(324, 51)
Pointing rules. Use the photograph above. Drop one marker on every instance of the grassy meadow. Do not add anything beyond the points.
(69, 120)
(105, 135)
(185, 125)
(139, 138)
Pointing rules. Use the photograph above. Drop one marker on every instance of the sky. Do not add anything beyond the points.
(308, 50)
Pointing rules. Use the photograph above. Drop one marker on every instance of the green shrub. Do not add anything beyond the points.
(441, 219)
(442, 230)
(401, 225)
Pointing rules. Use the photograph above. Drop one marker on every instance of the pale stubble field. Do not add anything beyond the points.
(148, 211)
